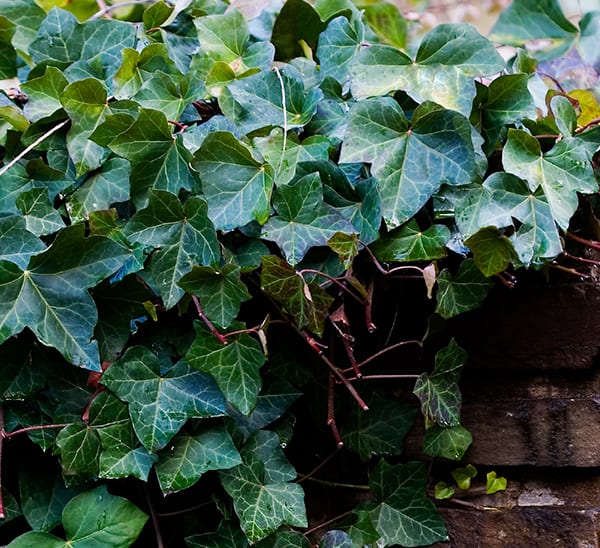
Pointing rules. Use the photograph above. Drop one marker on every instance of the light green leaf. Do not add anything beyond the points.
(237, 187)
(220, 292)
(50, 297)
(182, 236)
(409, 243)
(463, 476)
(443, 491)
(188, 456)
(263, 496)
(494, 483)
(303, 220)
(447, 442)
(159, 160)
(380, 430)
(492, 251)
(463, 292)
(306, 303)
(160, 403)
(561, 172)
(438, 391)
(259, 101)
(404, 514)
(234, 366)
(8, 55)
(387, 22)
(448, 59)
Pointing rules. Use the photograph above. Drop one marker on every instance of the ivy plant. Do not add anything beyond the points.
(233, 239)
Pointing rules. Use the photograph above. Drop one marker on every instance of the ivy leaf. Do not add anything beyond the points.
(181, 235)
(228, 535)
(387, 22)
(50, 296)
(336, 539)
(236, 186)
(463, 476)
(259, 101)
(188, 456)
(17, 244)
(8, 55)
(159, 160)
(79, 447)
(338, 45)
(160, 403)
(221, 292)
(526, 20)
(507, 100)
(438, 391)
(404, 514)
(40, 217)
(492, 251)
(234, 366)
(448, 59)
(167, 93)
(287, 34)
(463, 292)
(379, 431)
(409, 243)
(494, 483)
(26, 16)
(264, 496)
(303, 220)
(305, 302)
(561, 172)
(284, 539)
(378, 132)
(449, 442)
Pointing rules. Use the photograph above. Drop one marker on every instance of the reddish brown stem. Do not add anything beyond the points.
(382, 377)
(371, 327)
(567, 255)
(2, 511)
(588, 243)
(331, 412)
(221, 338)
(570, 271)
(387, 349)
(6, 435)
(591, 123)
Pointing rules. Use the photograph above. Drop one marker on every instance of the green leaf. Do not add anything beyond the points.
(438, 391)
(40, 217)
(236, 186)
(17, 244)
(264, 496)
(159, 160)
(26, 16)
(506, 101)
(228, 535)
(270, 98)
(284, 539)
(378, 132)
(463, 292)
(448, 59)
(160, 403)
(220, 292)
(79, 447)
(50, 296)
(561, 172)
(188, 456)
(8, 55)
(362, 530)
(463, 476)
(492, 251)
(43, 497)
(404, 514)
(564, 115)
(526, 20)
(443, 491)
(494, 483)
(387, 22)
(306, 303)
(303, 220)
(234, 366)
(37, 538)
(182, 236)
(167, 93)
(447, 442)
(336, 539)
(346, 246)
(409, 243)
(338, 45)
(380, 430)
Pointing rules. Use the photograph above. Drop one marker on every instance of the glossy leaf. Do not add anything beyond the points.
(338, 45)
(494, 483)
(438, 391)
(408, 243)
(182, 235)
(463, 476)
(264, 496)
(492, 251)
(234, 366)
(448, 442)
(161, 403)
(188, 456)
(404, 515)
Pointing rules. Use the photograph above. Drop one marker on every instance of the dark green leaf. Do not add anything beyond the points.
(220, 292)
(404, 514)
(160, 403)
(264, 496)
(17, 244)
(8, 55)
(336, 539)
(40, 217)
(438, 391)
(463, 292)
(307, 303)
(450, 442)
(234, 366)
(380, 430)
(26, 15)
(228, 535)
(237, 187)
(338, 44)
(181, 235)
(188, 456)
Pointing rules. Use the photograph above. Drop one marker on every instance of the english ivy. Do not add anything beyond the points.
(209, 211)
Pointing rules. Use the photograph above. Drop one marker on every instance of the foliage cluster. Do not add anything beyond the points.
(214, 221)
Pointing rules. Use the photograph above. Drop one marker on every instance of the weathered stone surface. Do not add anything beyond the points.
(542, 327)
